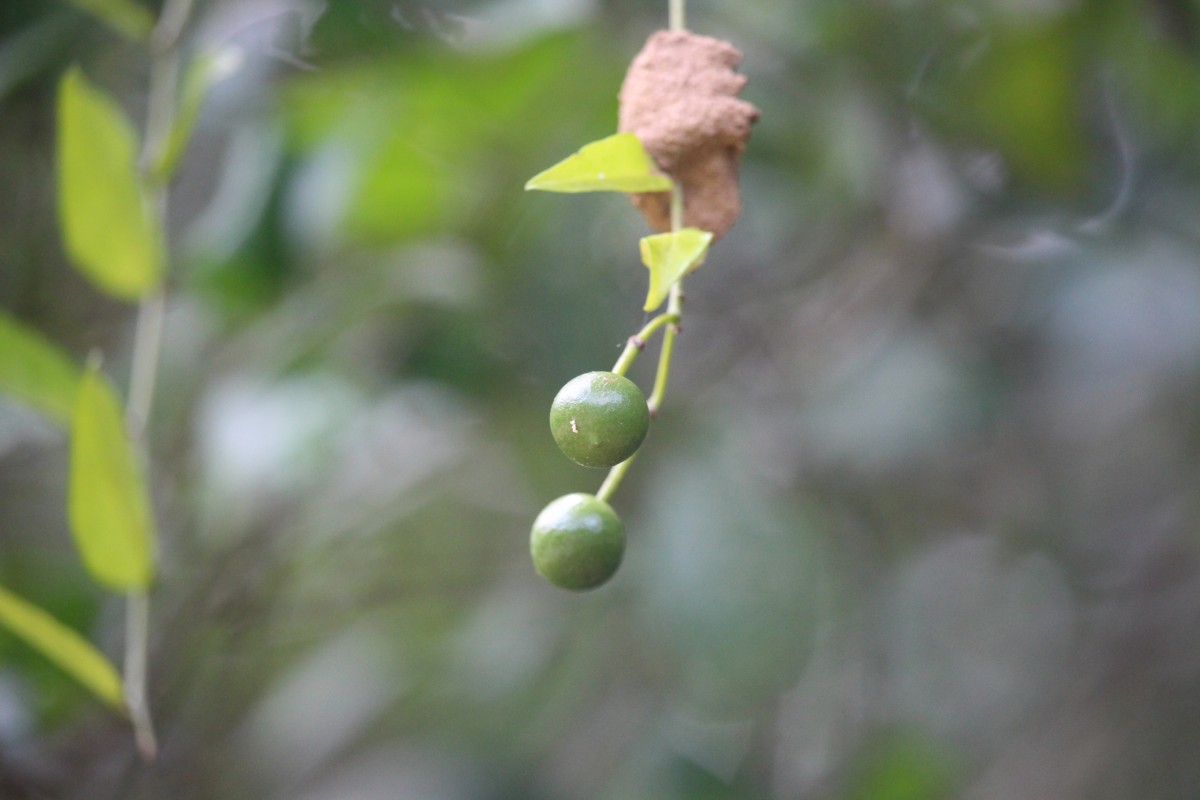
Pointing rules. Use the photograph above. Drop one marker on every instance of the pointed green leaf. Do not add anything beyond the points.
(205, 71)
(36, 372)
(63, 646)
(617, 164)
(111, 232)
(124, 16)
(670, 256)
(107, 503)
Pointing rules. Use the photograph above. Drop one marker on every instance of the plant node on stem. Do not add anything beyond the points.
(637, 343)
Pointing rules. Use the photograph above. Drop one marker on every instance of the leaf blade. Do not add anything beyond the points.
(36, 372)
(108, 504)
(111, 232)
(63, 646)
(670, 256)
(618, 163)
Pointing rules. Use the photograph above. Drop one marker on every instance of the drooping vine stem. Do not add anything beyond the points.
(676, 15)
(671, 319)
(675, 306)
(678, 22)
(675, 309)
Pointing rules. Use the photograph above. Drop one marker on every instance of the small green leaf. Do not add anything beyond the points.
(107, 503)
(63, 646)
(110, 229)
(670, 256)
(36, 372)
(205, 71)
(617, 164)
(124, 16)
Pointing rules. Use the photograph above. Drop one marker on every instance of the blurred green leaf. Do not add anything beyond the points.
(670, 256)
(405, 190)
(1022, 97)
(204, 72)
(124, 16)
(63, 646)
(902, 767)
(34, 371)
(110, 230)
(618, 163)
(108, 503)
(416, 143)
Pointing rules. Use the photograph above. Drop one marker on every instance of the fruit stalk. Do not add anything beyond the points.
(637, 342)
(613, 479)
(675, 309)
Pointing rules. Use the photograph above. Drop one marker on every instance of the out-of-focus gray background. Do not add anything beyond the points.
(919, 519)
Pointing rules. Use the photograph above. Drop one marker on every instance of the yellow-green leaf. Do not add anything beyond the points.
(617, 164)
(670, 256)
(107, 501)
(124, 16)
(110, 229)
(35, 372)
(72, 653)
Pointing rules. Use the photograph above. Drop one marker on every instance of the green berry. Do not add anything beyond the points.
(599, 419)
(577, 542)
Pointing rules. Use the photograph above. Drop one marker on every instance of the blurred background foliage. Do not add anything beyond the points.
(919, 519)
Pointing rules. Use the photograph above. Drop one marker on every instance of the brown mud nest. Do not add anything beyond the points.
(680, 98)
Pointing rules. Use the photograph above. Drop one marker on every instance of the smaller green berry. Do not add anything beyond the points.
(577, 542)
(599, 419)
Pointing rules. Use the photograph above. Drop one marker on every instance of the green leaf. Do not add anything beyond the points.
(63, 646)
(36, 372)
(107, 503)
(902, 766)
(110, 229)
(1020, 97)
(124, 16)
(617, 164)
(670, 256)
(205, 71)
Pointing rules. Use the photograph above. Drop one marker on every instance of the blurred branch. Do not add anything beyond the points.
(160, 114)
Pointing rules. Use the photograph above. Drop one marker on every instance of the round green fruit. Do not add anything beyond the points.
(599, 419)
(577, 542)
